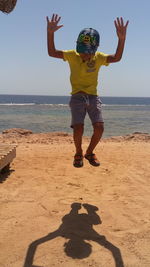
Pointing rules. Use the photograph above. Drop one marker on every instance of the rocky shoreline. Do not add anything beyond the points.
(19, 135)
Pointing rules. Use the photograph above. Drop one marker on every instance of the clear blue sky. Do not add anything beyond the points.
(26, 68)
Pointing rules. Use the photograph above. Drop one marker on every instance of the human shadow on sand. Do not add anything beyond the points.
(77, 228)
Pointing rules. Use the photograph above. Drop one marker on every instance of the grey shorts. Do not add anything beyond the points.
(80, 104)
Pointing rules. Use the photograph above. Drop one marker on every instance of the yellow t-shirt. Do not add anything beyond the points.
(84, 75)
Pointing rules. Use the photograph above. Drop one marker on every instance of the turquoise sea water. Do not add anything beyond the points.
(51, 113)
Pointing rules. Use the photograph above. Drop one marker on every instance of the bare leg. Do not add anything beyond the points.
(97, 134)
(77, 136)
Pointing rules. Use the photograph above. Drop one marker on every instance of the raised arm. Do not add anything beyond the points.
(121, 29)
(52, 26)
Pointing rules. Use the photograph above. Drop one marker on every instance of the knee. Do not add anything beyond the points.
(98, 127)
(78, 128)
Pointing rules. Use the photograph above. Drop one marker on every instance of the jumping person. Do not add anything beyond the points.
(85, 63)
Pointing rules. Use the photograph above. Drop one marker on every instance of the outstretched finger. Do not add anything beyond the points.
(116, 24)
(121, 20)
(127, 23)
(56, 16)
(53, 16)
(60, 26)
(118, 21)
(58, 19)
(47, 19)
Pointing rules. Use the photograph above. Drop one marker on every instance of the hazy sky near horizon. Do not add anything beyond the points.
(26, 68)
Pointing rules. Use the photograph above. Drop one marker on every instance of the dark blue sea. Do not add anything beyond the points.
(122, 115)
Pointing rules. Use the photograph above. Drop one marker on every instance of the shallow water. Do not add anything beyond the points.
(119, 119)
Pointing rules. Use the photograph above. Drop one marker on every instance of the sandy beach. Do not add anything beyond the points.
(52, 214)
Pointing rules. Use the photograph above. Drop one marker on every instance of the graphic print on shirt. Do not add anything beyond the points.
(91, 66)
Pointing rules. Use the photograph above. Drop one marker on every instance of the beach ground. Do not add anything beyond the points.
(53, 214)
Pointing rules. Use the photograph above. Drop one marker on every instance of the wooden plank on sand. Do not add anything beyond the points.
(7, 154)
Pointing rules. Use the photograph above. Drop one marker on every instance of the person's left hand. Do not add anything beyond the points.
(121, 28)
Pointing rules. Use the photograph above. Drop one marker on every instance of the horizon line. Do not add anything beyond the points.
(70, 95)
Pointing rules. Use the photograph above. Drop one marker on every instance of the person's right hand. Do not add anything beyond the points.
(52, 24)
